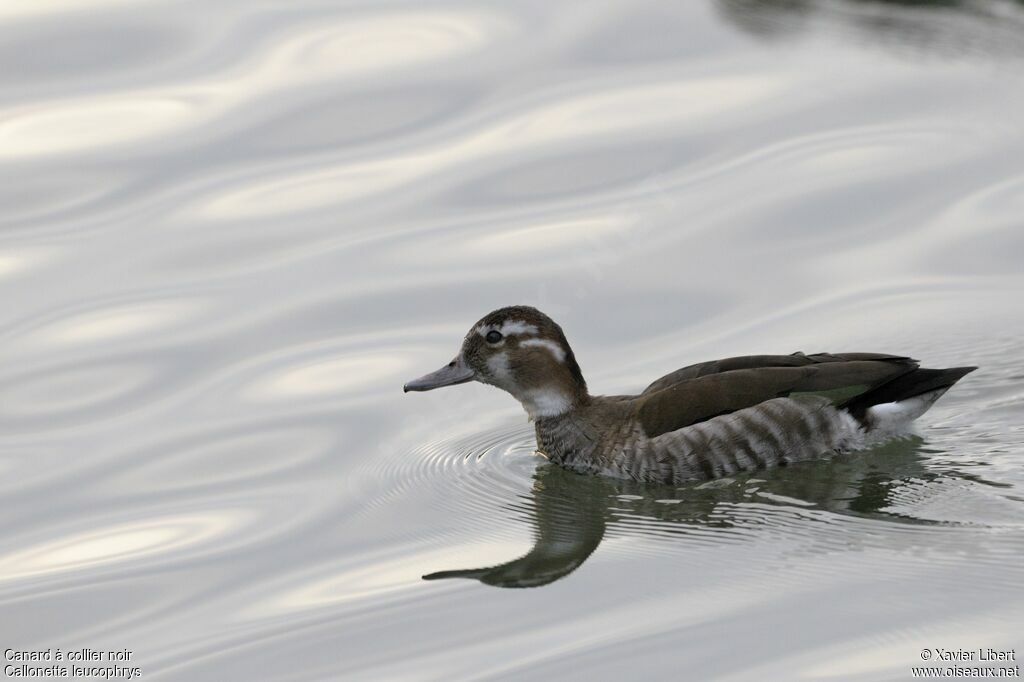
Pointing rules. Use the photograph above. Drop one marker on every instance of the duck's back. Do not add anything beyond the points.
(739, 414)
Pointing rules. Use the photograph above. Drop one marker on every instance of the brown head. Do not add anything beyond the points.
(521, 350)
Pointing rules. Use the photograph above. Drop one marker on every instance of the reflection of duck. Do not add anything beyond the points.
(571, 513)
(698, 423)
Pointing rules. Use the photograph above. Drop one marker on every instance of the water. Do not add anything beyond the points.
(232, 230)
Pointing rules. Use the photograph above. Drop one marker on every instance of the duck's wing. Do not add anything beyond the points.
(699, 392)
(763, 361)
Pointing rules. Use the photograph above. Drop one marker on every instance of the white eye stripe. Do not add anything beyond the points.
(508, 327)
(548, 345)
(517, 327)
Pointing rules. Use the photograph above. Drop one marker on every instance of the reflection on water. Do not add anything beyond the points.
(570, 512)
(231, 229)
(951, 27)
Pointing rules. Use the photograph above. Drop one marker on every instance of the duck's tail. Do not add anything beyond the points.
(893, 405)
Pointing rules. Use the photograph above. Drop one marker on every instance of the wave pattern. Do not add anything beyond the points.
(232, 230)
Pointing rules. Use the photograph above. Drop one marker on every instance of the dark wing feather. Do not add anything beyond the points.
(687, 401)
(757, 361)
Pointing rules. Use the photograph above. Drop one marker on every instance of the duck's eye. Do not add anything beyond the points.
(493, 336)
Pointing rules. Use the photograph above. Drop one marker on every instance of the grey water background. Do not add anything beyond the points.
(231, 230)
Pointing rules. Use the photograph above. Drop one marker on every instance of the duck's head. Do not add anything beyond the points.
(521, 350)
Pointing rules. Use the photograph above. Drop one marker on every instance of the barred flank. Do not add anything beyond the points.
(775, 432)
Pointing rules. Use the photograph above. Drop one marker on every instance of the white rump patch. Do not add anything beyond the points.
(507, 328)
(545, 402)
(551, 346)
(886, 420)
(895, 418)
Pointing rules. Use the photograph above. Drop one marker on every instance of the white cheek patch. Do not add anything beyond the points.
(499, 367)
(508, 327)
(550, 346)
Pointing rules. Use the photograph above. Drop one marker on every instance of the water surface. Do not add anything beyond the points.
(232, 230)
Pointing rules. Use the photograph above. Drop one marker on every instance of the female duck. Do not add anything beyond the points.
(701, 422)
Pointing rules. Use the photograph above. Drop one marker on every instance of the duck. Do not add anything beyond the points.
(702, 422)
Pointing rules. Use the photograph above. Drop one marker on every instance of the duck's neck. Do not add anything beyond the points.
(546, 384)
(549, 402)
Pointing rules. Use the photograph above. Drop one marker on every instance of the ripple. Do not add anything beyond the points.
(327, 588)
(31, 197)
(349, 373)
(341, 48)
(525, 243)
(485, 470)
(14, 263)
(536, 238)
(62, 393)
(957, 501)
(116, 322)
(25, 9)
(219, 459)
(557, 177)
(980, 233)
(615, 110)
(358, 119)
(306, 191)
(76, 50)
(385, 41)
(84, 392)
(117, 544)
(671, 104)
(23, 467)
(75, 126)
(866, 152)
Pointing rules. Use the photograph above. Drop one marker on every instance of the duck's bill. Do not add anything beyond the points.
(455, 372)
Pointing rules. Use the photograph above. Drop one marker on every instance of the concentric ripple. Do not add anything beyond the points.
(474, 476)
